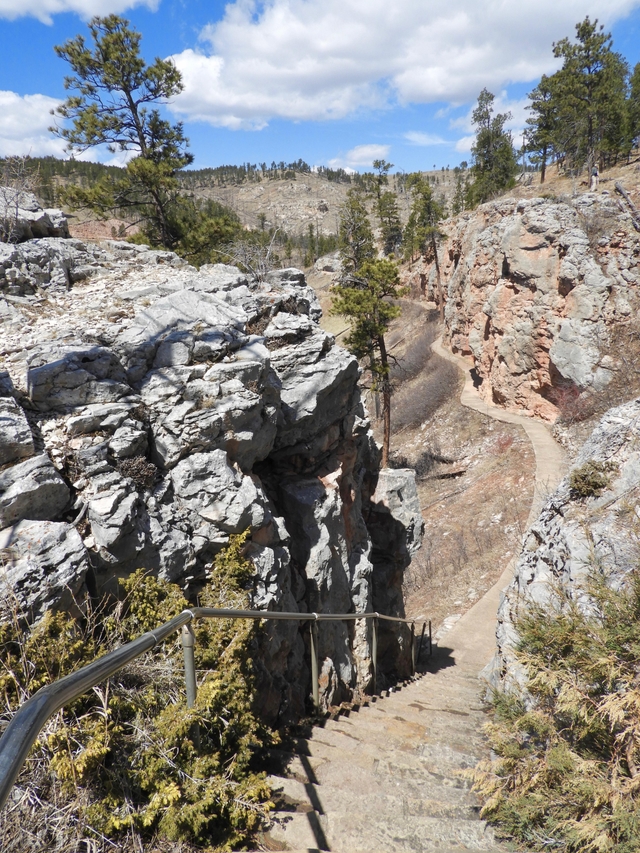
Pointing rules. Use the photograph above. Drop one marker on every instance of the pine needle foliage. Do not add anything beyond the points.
(567, 772)
(130, 762)
(366, 297)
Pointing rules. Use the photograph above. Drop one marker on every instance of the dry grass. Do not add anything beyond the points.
(475, 476)
(473, 522)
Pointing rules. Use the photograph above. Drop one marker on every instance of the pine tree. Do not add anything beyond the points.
(389, 216)
(424, 225)
(633, 106)
(461, 191)
(365, 297)
(540, 137)
(590, 91)
(116, 104)
(494, 161)
(355, 234)
(386, 207)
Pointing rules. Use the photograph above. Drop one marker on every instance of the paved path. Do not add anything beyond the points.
(550, 460)
(473, 636)
(388, 777)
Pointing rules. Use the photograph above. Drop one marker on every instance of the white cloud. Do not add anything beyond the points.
(464, 145)
(25, 123)
(361, 155)
(45, 9)
(415, 137)
(24, 130)
(327, 59)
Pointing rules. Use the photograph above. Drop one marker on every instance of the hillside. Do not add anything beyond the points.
(284, 198)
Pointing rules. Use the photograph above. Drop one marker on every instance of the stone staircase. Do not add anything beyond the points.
(389, 775)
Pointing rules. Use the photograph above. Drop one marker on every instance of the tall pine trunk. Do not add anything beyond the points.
(386, 402)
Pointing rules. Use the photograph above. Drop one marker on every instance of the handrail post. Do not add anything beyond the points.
(413, 648)
(315, 686)
(188, 639)
(424, 627)
(374, 652)
(430, 640)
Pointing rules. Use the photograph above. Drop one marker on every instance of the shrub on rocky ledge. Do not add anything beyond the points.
(128, 764)
(590, 479)
(567, 770)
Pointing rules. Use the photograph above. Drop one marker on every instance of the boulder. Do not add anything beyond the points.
(220, 500)
(117, 518)
(290, 275)
(318, 381)
(45, 565)
(69, 375)
(16, 440)
(395, 524)
(22, 217)
(187, 406)
(31, 490)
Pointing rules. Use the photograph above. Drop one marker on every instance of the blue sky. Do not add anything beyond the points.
(335, 82)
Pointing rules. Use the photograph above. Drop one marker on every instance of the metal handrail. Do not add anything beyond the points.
(29, 720)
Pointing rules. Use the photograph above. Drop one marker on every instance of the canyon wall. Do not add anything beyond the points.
(532, 290)
(577, 535)
(150, 410)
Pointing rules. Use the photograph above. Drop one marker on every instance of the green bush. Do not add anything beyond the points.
(567, 772)
(130, 760)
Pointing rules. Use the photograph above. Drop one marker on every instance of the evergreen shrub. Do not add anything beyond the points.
(566, 772)
(129, 764)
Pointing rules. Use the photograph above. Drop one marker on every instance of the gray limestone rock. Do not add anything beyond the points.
(287, 328)
(318, 380)
(167, 333)
(219, 277)
(231, 404)
(116, 513)
(31, 490)
(220, 499)
(291, 275)
(187, 406)
(396, 495)
(22, 218)
(70, 375)
(574, 536)
(48, 264)
(45, 565)
(129, 440)
(16, 440)
(576, 353)
(395, 524)
(104, 417)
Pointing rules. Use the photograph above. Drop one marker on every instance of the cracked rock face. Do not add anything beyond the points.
(533, 289)
(574, 536)
(169, 408)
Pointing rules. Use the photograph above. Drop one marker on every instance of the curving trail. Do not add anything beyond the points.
(388, 779)
(472, 637)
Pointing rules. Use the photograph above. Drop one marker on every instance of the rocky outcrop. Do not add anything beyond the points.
(23, 218)
(533, 289)
(153, 410)
(576, 535)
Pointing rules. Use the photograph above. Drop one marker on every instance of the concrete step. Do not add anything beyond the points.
(381, 797)
(355, 832)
